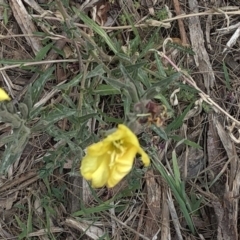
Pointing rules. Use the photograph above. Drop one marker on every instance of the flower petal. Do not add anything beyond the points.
(89, 165)
(96, 169)
(100, 148)
(3, 95)
(145, 158)
(122, 167)
(128, 136)
(101, 175)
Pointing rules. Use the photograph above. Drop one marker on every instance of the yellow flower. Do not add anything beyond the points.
(3, 95)
(110, 160)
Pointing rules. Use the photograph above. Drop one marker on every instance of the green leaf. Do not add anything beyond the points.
(129, 68)
(38, 86)
(134, 44)
(88, 21)
(195, 201)
(105, 90)
(160, 132)
(23, 228)
(117, 84)
(74, 82)
(226, 75)
(59, 51)
(124, 57)
(14, 148)
(178, 192)
(134, 88)
(29, 221)
(160, 67)
(177, 123)
(143, 78)
(69, 101)
(160, 86)
(57, 113)
(97, 209)
(176, 170)
(28, 98)
(43, 52)
(151, 43)
(13, 62)
(97, 71)
(80, 120)
(163, 100)
(5, 15)
(185, 141)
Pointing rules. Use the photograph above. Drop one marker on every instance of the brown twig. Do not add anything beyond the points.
(180, 23)
(129, 27)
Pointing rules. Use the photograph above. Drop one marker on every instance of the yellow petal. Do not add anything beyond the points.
(122, 167)
(89, 165)
(100, 148)
(128, 136)
(96, 169)
(115, 136)
(144, 156)
(128, 157)
(122, 133)
(101, 175)
(3, 95)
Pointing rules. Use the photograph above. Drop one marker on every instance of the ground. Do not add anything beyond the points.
(169, 70)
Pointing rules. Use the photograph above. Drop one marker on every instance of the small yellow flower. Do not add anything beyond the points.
(110, 160)
(3, 95)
